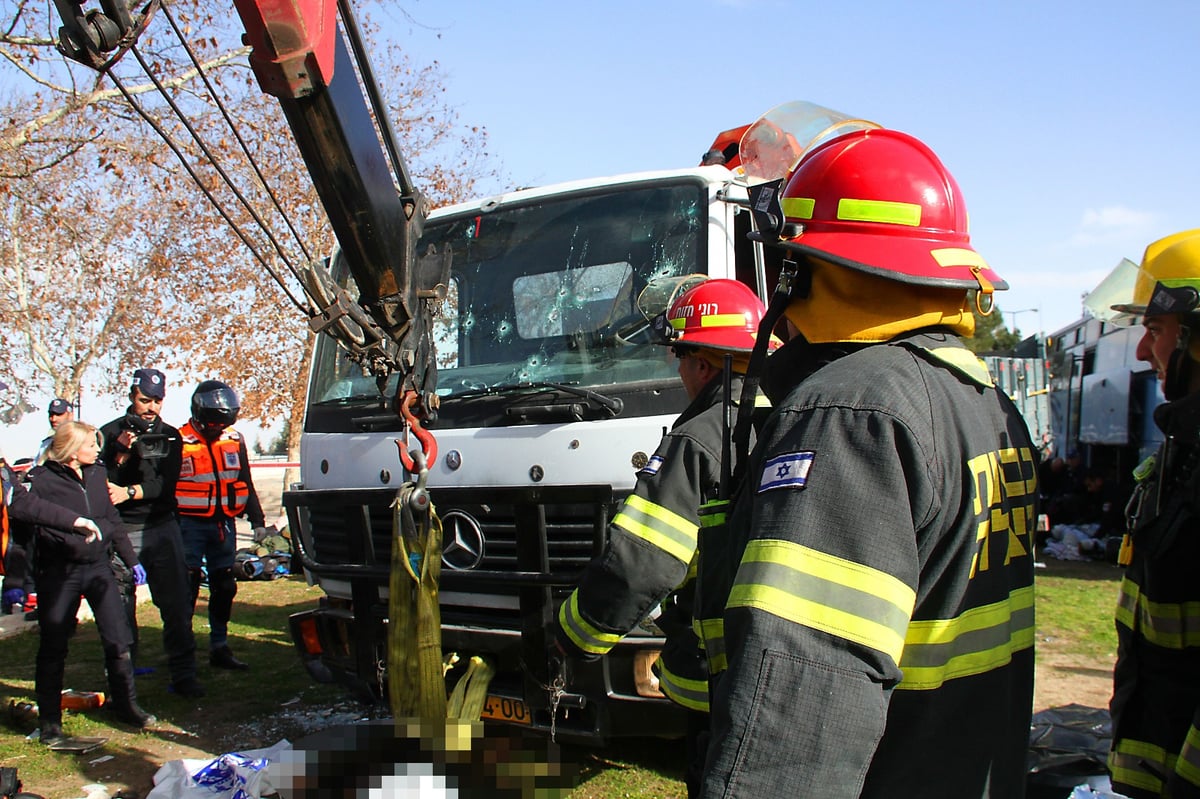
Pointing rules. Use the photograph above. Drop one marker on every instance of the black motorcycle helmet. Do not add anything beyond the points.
(215, 406)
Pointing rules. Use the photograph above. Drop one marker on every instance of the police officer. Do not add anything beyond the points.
(215, 488)
(1155, 705)
(142, 454)
(652, 540)
(878, 627)
(57, 412)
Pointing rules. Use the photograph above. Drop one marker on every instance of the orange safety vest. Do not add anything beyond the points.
(3, 532)
(209, 475)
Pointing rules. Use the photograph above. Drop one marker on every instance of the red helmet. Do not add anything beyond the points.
(880, 201)
(718, 314)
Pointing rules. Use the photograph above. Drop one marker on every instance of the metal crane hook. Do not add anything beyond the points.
(428, 444)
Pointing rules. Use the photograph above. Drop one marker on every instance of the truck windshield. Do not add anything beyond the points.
(546, 292)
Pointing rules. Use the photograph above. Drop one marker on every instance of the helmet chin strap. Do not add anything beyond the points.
(1179, 368)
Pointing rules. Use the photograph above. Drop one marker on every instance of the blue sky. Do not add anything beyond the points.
(1068, 125)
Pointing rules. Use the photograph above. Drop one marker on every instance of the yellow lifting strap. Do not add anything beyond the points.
(415, 685)
(416, 669)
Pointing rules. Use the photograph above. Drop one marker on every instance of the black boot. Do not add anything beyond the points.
(50, 732)
(124, 695)
(222, 657)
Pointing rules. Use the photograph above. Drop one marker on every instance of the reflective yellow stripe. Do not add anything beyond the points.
(689, 693)
(964, 361)
(587, 637)
(798, 207)
(1187, 765)
(663, 528)
(1128, 761)
(883, 211)
(711, 320)
(836, 596)
(958, 256)
(1172, 625)
(979, 640)
(711, 633)
(713, 512)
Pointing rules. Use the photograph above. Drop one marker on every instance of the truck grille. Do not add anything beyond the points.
(347, 533)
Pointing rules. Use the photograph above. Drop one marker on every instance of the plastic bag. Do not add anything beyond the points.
(234, 775)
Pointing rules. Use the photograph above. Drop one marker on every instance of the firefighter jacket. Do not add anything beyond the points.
(650, 557)
(59, 549)
(1156, 682)
(879, 626)
(214, 478)
(152, 462)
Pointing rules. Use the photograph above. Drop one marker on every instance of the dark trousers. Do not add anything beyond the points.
(697, 746)
(212, 543)
(18, 561)
(59, 591)
(161, 556)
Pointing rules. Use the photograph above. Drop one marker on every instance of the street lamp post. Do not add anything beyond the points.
(1012, 325)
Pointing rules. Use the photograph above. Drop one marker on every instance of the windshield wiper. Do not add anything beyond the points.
(612, 405)
(376, 397)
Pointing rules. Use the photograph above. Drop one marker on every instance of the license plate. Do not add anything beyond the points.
(503, 708)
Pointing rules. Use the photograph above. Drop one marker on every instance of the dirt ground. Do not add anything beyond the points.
(1063, 675)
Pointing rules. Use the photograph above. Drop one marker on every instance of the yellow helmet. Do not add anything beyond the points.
(1167, 281)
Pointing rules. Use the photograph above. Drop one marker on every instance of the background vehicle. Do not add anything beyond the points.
(1102, 398)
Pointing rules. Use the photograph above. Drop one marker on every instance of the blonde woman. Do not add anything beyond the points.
(68, 566)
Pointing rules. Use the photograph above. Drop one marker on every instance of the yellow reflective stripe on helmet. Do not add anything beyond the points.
(711, 633)
(1131, 762)
(957, 256)
(1187, 765)
(710, 320)
(964, 361)
(661, 527)
(840, 597)
(884, 211)
(1172, 625)
(798, 207)
(979, 640)
(586, 636)
(692, 694)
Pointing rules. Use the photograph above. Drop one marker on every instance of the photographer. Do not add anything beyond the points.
(142, 454)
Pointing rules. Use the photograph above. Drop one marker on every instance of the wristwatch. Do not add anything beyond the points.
(130, 490)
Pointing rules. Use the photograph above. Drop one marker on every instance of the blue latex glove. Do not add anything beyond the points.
(13, 596)
(139, 574)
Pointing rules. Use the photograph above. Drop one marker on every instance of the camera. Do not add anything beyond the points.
(149, 446)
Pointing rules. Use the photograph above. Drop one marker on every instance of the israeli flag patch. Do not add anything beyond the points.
(653, 465)
(786, 471)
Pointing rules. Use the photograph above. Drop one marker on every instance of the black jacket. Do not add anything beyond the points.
(59, 484)
(24, 507)
(152, 463)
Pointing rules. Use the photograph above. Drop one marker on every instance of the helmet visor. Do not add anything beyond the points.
(657, 298)
(772, 146)
(1120, 298)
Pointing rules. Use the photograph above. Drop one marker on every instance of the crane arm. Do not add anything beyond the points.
(300, 55)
